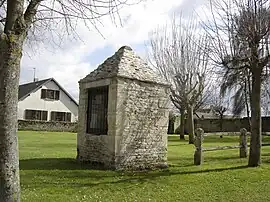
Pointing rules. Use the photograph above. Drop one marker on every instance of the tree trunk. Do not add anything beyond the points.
(190, 125)
(248, 114)
(221, 122)
(182, 125)
(248, 98)
(10, 57)
(256, 129)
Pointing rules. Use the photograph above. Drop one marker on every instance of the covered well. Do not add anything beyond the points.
(123, 114)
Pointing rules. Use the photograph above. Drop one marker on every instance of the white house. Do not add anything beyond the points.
(46, 100)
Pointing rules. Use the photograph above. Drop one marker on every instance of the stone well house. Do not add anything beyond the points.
(123, 114)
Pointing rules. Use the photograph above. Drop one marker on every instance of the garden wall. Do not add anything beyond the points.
(47, 126)
(228, 125)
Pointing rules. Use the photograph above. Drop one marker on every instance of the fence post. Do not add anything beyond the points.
(198, 155)
(243, 143)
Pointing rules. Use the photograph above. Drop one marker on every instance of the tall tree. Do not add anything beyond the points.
(240, 31)
(179, 52)
(18, 19)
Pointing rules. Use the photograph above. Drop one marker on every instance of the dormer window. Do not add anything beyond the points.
(50, 94)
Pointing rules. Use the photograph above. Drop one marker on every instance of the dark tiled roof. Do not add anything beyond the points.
(27, 88)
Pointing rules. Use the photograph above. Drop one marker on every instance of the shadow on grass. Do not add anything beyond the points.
(177, 145)
(176, 138)
(206, 158)
(217, 140)
(220, 158)
(129, 179)
(207, 139)
(168, 172)
(73, 164)
(55, 164)
(265, 154)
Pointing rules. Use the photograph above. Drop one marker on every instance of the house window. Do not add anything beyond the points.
(60, 116)
(97, 111)
(50, 94)
(36, 115)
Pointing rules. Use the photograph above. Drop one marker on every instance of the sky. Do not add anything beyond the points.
(72, 59)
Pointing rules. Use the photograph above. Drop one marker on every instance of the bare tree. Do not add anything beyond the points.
(20, 19)
(240, 31)
(179, 53)
(237, 85)
(220, 106)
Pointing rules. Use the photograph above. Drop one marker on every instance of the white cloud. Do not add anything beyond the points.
(67, 64)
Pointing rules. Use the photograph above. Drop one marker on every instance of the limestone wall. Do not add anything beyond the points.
(141, 124)
(92, 148)
(137, 126)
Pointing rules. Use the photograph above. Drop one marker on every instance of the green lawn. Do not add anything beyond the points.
(50, 173)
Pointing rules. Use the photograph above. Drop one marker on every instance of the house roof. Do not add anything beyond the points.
(28, 88)
(126, 64)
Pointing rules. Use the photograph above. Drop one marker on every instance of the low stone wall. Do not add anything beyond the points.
(47, 126)
(228, 125)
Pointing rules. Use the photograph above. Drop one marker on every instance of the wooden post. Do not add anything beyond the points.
(243, 143)
(198, 156)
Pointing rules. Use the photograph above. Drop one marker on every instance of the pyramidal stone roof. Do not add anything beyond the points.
(126, 64)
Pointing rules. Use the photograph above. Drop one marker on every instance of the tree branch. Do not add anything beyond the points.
(14, 11)
(31, 12)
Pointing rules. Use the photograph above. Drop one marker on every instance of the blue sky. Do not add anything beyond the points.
(74, 59)
(99, 55)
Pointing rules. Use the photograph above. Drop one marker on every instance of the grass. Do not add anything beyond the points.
(50, 173)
